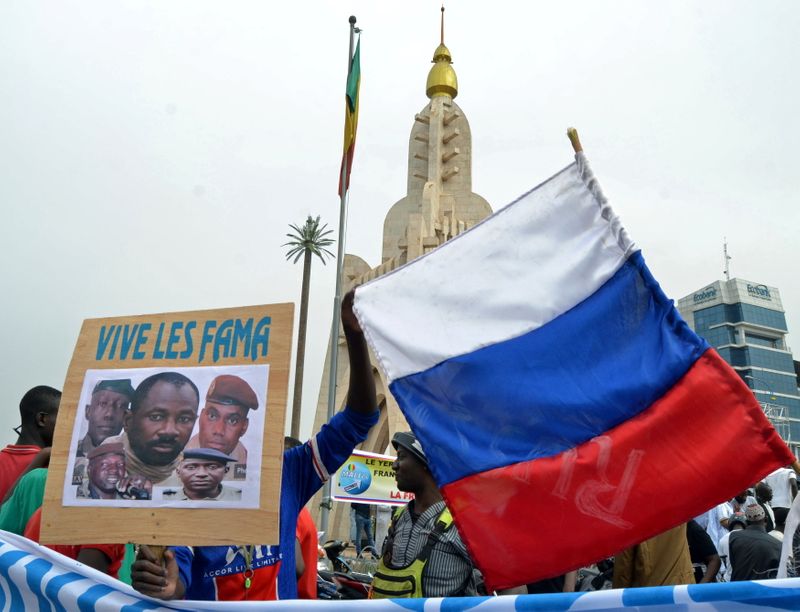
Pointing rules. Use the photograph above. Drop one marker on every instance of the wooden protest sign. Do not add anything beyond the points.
(170, 430)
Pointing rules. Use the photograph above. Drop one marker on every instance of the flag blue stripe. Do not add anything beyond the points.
(647, 597)
(59, 582)
(140, 605)
(87, 600)
(592, 368)
(546, 601)
(6, 561)
(749, 593)
(34, 573)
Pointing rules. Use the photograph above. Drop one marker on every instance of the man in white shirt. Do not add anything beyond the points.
(783, 482)
(718, 516)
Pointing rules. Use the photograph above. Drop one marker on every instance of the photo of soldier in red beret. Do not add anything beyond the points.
(224, 420)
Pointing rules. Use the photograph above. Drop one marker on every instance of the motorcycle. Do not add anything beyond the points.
(349, 584)
(326, 589)
(596, 577)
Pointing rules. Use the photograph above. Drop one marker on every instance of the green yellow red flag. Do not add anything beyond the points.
(350, 118)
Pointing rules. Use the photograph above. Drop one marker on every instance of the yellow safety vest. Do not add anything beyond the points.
(391, 582)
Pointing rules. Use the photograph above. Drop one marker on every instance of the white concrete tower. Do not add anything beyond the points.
(439, 202)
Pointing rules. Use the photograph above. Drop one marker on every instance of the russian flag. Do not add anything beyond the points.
(567, 410)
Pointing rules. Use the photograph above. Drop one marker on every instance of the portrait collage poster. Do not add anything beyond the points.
(135, 445)
(168, 421)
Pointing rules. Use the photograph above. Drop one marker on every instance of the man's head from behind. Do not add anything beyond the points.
(106, 468)
(763, 493)
(106, 410)
(161, 418)
(411, 466)
(737, 521)
(38, 410)
(224, 418)
(289, 443)
(201, 471)
(755, 515)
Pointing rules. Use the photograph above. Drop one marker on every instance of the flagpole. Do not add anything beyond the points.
(572, 134)
(337, 302)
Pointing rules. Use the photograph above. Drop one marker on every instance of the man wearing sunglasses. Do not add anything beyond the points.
(37, 410)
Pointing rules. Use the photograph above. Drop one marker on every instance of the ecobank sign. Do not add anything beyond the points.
(759, 291)
(705, 295)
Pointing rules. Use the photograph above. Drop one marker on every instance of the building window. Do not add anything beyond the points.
(771, 383)
(758, 315)
(771, 360)
(751, 338)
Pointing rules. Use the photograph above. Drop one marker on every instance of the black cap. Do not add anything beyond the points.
(209, 454)
(122, 386)
(409, 441)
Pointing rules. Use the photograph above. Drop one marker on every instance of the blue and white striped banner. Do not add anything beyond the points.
(36, 578)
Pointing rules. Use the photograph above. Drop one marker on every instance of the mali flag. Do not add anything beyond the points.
(350, 117)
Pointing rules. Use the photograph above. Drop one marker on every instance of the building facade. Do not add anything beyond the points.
(745, 322)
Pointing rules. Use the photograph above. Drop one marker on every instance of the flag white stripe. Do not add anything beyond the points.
(525, 265)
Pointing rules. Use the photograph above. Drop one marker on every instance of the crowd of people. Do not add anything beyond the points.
(124, 453)
(740, 539)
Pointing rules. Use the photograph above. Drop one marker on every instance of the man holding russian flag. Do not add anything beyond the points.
(553, 369)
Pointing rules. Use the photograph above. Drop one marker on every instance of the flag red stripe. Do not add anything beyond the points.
(701, 443)
(347, 159)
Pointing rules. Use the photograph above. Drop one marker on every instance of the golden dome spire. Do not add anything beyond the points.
(442, 79)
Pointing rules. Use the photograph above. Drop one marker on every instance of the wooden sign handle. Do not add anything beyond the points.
(155, 549)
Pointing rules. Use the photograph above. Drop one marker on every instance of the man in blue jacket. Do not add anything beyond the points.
(259, 572)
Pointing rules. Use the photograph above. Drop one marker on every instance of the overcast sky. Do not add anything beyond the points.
(152, 154)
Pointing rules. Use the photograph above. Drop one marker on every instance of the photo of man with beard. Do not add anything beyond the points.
(158, 425)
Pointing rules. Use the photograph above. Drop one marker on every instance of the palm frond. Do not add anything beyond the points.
(311, 238)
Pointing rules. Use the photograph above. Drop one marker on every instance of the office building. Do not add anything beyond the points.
(745, 322)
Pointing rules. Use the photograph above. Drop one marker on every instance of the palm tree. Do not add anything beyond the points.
(305, 241)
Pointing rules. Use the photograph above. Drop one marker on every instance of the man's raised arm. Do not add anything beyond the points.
(361, 394)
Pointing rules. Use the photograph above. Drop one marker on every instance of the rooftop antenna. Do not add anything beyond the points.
(727, 259)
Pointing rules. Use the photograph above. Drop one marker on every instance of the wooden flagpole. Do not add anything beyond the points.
(572, 134)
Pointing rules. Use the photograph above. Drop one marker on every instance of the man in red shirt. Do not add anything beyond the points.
(37, 410)
(307, 541)
(305, 545)
(106, 558)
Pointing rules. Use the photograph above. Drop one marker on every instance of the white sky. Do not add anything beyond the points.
(152, 154)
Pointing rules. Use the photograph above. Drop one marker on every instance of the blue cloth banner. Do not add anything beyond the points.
(33, 577)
